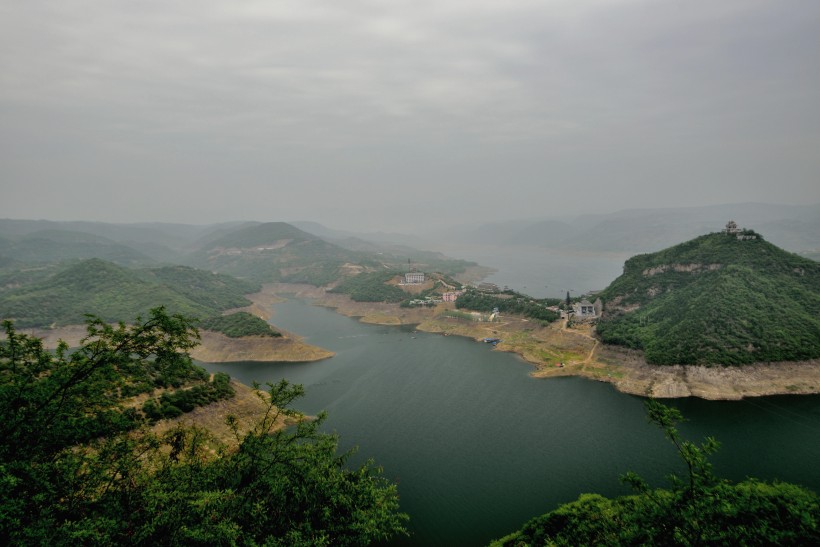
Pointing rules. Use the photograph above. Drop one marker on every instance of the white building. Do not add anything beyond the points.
(414, 278)
(584, 310)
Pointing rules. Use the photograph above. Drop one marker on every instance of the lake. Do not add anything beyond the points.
(544, 273)
(478, 447)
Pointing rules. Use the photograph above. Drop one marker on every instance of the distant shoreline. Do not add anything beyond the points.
(582, 354)
(215, 347)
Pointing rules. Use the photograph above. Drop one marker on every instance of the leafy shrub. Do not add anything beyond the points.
(519, 304)
(371, 287)
(239, 324)
(75, 470)
(699, 509)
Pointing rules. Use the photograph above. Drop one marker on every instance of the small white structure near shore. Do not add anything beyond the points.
(584, 310)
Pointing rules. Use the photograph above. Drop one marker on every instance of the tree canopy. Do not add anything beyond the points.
(698, 509)
(78, 463)
(509, 302)
(239, 324)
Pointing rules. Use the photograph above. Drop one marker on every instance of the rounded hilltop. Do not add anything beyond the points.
(725, 298)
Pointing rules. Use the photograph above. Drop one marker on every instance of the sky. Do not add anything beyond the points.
(391, 114)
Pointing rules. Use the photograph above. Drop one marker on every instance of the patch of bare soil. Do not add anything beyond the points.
(414, 289)
(715, 382)
(213, 348)
(248, 406)
(218, 348)
(71, 335)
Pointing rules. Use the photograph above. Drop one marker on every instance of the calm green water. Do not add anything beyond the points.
(478, 448)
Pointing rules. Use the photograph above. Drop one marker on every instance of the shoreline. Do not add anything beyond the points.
(543, 347)
(582, 354)
(214, 347)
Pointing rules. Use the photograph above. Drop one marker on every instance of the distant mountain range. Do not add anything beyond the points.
(54, 273)
(793, 227)
(34, 253)
(147, 242)
(721, 298)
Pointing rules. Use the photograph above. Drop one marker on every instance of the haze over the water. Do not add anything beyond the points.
(391, 115)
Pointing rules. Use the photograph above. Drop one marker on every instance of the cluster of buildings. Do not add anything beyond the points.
(582, 310)
(418, 278)
(742, 234)
(449, 296)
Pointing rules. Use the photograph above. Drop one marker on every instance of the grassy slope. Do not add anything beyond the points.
(759, 304)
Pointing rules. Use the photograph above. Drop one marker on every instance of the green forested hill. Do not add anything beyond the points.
(716, 299)
(274, 252)
(261, 252)
(111, 292)
(260, 235)
(279, 252)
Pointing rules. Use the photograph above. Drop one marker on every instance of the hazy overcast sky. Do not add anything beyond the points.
(385, 113)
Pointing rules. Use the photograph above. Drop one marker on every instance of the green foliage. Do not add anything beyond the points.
(699, 509)
(518, 304)
(371, 287)
(205, 288)
(76, 468)
(743, 302)
(239, 324)
(111, 292)
(49, 402)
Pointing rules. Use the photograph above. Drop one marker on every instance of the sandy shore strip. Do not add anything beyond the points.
(215, 347)
(218, 348)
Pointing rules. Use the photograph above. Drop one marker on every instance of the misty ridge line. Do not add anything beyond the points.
(793, 227)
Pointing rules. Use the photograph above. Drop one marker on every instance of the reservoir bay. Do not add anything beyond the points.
(477, 447)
